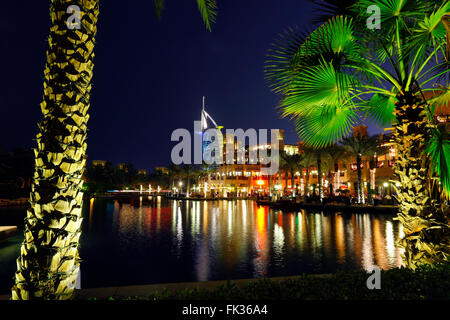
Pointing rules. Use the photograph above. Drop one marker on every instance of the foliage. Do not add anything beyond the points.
(207, 8)
(426, 282)
(343, 72)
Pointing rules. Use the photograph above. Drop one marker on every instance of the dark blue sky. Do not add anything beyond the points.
(150, 75)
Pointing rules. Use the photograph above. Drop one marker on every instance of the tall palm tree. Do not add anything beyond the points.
(188, 171)
(318, 157)
(48, 264)
(344, 70)
(290, 163)
(335, 153)
(174, 172)
(49, 261)
(359, 146)
(309, 159)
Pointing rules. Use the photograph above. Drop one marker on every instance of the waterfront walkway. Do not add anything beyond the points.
(146, 290)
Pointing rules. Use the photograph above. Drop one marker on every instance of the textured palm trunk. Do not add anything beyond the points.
(359, 186)
(427, 232)
(49, 262)
(307, 182)
(294, 190)
(188, 187)
(319, 178)
(286, 178)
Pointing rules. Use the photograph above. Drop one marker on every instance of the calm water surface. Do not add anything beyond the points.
(174, 241)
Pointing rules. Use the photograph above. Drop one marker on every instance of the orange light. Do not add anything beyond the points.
(260, 182)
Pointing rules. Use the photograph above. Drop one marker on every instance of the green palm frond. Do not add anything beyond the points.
(438, 150)
(317, 86)
(429, 34)
(283, 59)
(159, 7)
(208, 10)
(392, 12)
(294, 51)
(325, 125)
(332, 8)
(380, 108)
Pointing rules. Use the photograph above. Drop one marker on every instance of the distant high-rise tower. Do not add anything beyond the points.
(207, 138)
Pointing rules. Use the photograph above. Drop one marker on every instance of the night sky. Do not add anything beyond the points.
(150, 75)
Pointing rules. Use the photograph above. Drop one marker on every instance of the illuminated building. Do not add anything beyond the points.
(101, 163)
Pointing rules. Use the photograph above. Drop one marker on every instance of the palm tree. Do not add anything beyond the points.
(344, 70)
(335, 153)
(48, 264)
(309, 159)
(290, 163)
(359, 146)
(318, 157)
(173, 173)
(188, 171)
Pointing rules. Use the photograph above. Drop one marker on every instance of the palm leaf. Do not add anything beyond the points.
(380, 108)
(438, 150)
(325, 125)
(317, 86)
(208, 10)
(429, 33)
(159, 7)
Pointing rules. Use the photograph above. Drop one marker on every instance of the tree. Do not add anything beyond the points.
(359, 146)
(173, 173)
(317, 156)
(188, 171)
(48, 264)
(309, 159)
(335, 153)
(290, 163)
(347, 69)
(49, 261)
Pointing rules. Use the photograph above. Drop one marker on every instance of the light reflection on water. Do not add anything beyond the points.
(173, 241)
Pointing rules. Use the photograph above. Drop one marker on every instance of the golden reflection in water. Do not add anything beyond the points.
(390, 242)
(340, 238)
(205, 214)
(158, 213)
(278, 241)
(367, 254)
(317, 244)
(230, 220)
(357, 236)
(148, 220)
(379, 245)
(91, 209)
(327, 232)
(260, 262)
(292, 230)
(234, 232)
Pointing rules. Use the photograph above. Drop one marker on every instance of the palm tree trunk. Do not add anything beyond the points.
(319, 172)
(307, 182)
(188, 187)
(292, 183)
(286, 178)
(427, 233)
(49, 261)
(359, 186)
